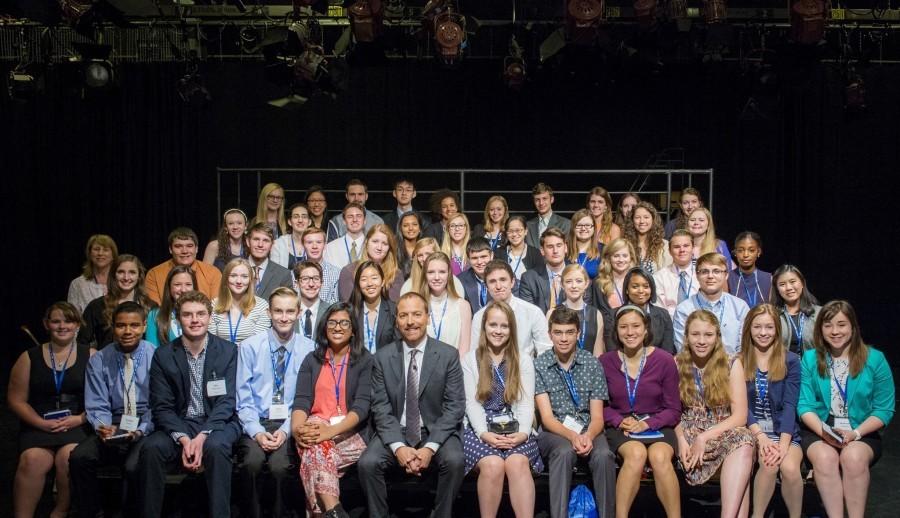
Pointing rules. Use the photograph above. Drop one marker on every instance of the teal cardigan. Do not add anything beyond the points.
(871, 393)
(152, 332)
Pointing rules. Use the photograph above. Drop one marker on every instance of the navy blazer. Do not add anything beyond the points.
(532, 259)
(472, 290)
(783, 395)
(358, 386)
(385, 328)
(170, 386)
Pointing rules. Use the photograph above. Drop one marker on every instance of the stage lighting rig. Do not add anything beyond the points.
(808, 21)
(366, 19)
(448, 28)
(25, 82)
(583, 19)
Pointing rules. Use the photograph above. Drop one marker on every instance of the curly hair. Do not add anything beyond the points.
(656, 247)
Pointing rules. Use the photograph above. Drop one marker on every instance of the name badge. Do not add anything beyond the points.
(573, 423)
(129, 423)
(766, 425)
(215, 388)
(502, 418)
(842, 423)
(57, 414)
(278, 412)
(336, 419)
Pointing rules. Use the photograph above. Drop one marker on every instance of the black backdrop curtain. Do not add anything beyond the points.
(814, 180)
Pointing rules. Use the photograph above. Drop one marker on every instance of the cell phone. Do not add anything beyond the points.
(830, 431)
(118, 437)
(57, 414)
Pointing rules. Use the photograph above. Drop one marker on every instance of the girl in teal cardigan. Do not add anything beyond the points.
(846, 387)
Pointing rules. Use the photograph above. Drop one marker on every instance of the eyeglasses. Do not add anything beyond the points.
(344, 324)
(515, 232)
(457, 226)
(310, 278)
(706, 273)
(274, 197)
(315, 200)
(584, 226)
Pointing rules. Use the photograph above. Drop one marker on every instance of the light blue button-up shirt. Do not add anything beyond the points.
(104, 389)
(256, 377)
(730, 311)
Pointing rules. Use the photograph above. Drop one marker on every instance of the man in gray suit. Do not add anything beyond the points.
(268, 274)
(415, 433)
(542, 195)
(539, 285)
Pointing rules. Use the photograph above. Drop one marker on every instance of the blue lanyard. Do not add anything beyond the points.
(457, 260)
(499, 374)
(751, 296)
(842, 391)
(347, 247)
(175, 326)
(59, 375)
(279, 377)
(370, 332)
(437, 327)
(570, 384)
(708, 307)
(762, 387)
(518, 261)
(233, 331)
(581, 337)
(632, 393)
(698, 381)
(495, 241)
(303, 255)
(136, 361)
(482, 292)
(797, 330)
(337, 378)
(618, 292)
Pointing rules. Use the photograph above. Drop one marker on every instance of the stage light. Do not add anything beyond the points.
(514, 73)
(448, 28)
(583, 18)
(366, 19)
(808, 21)
(715, 11)
(25, 82)
(645, 12)
(97, 71)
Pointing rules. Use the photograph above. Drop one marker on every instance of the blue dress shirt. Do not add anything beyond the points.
(730, 311)
(104, 388)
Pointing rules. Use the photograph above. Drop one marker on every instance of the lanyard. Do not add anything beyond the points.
(582, 337)
(703, 304)
(135, 362)
(632, 393)
(518, 261)
(233, 331)
(338, 376)
(174, 325)
(842, 391)
(370, 332)
(495, 241)
(698, 381)
(762, 387)
(482, 292)
(457, 260)
(59, 375)
(294, 249)
(437, 327)
(499, 374)
(347, 247)
(796, 329)
(570, 384)
(751, 295)
(279, 377)
(582, 260)
(618, 292)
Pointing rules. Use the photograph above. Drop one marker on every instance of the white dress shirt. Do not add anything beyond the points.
(337, 252)
(532, 332)
(667, 281)
(433, 446)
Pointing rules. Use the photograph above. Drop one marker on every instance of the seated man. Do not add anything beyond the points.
(479, 254)
(542, 285)
(569, 392)
(314, 245)
(356, 192)
(266, 379)
(309, 285)
(418, 403)
(269, 274)
(542, 195)
(183, 245)
(192, 396)
(117, 406)
(678, 281)
(348, 248)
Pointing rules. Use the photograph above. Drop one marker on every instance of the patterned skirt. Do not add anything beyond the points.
(696, 420)
(475, 449)
(322, 465)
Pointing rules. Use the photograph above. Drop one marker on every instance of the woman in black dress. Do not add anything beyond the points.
(46, 392)
(125, 283)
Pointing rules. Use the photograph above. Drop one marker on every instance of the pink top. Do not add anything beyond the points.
(325, 404)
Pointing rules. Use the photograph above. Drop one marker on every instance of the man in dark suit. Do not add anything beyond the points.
(542, 195)
(404, 193)
(479, 254)
(268, 275)
(423, 429)
(192, 398)
(541, 284)
(309, 285)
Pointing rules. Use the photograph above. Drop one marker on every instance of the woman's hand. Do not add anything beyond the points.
(627, 424)
(684, 453)
(638, 427)
(494, 440)
(830, 440)
(697, 450)
(65, 424)
(515, 439)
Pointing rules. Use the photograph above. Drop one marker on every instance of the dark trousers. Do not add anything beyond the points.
(84, 461)
(160, 453)
(378, 459)
(561, 458)
(282, 464)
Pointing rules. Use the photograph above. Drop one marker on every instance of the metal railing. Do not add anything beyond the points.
(474, 186)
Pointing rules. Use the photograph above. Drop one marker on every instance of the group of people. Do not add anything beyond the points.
(402, 346)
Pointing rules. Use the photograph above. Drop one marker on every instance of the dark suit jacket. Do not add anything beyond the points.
(274, 276)
(358, 385)
(472, 290)
(533, 237)
(783, 395)
(442, 398)
(532, 259)
(323, 307)
(534, 287)
(435, 230)
(170, 386)
(386, 329)
(393, 221)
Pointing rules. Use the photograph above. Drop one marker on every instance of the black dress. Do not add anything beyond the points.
(42, 398)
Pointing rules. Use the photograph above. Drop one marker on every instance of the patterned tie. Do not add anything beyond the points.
(542, 226)
(554, 290)
(413, 421)
(682, 287)
(307, 324)
(129, 391)
(279, 370)
(354, 253)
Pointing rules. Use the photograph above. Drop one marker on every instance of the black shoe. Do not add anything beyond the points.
(336, 512)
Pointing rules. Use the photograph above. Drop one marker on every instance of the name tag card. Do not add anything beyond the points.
(336, 419)
(278, 412)
(129, 423)
(215, 388)
(766, 425)
(502, 418)
(573, 423)
(842, 423)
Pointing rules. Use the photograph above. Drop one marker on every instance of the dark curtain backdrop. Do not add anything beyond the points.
(815, 181)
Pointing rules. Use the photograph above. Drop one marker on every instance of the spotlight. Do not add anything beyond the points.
(715, 11)
(808, 21)
(514, 73)
(25, 82)
(645, 12)
(583, 18)
(97, 71)
(366, 19)
(448, 28)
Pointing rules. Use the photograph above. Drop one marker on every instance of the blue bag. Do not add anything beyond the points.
(581, 503)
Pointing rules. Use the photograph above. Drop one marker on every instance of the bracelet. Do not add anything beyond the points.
(858, 435)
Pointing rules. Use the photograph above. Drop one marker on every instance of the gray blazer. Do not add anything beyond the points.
(809, 326)
(442, 397)
(534, 237)
(534, 287)
(274, 276)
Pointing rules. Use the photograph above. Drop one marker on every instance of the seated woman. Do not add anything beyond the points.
(748, 282)
(582, 244)
(287, 250)
(520, 255)
(318, 204)
(797, 308)
(608, 288)
(374, 313)
(451, 315)
(497, 441)
(331, 408)
(455, 240)
(772, 375)
(444, 204)
(599, 204)
(229, 242)
(702, 229)
(380, 247)
(575, 282)
(496, 214)
(713, 433)
(237, 313)
(640, 290)
(644, 230)
(623, 211)
(643, 411)
(100, 253)
(162, 323)
(126, 283)
(846, 399)
(46, 392)
(410, 232)
(270, 209)
(424, 248)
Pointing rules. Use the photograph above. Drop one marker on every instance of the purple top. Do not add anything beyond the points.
(657, 392)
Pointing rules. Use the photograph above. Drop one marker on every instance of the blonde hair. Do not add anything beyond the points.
(422, 287)
(389, 265)
(577, 268)
(709, 240)
(715, 374)
(87, 271)
(415, 272)
(777, 361)
(513, 391)
(488, 224)
(604, 273)
(224, 300)
(593, 250)
(447, 245)
(268, 189)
